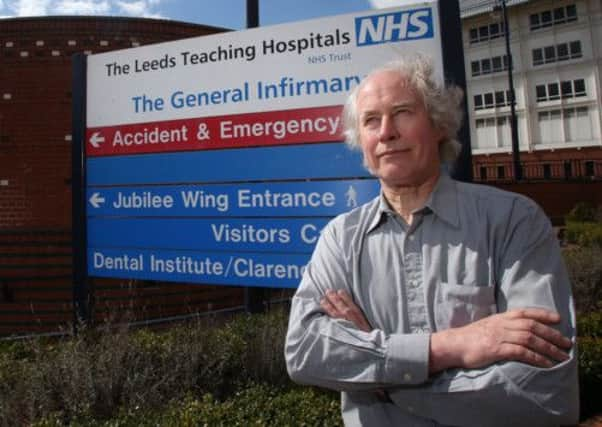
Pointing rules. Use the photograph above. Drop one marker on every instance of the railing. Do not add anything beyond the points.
(553, 170)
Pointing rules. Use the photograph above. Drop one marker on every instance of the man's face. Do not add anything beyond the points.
(399, 143)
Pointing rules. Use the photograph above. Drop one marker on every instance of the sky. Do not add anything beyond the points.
(219, 13)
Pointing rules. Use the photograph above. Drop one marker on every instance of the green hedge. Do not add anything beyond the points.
(256, 405)
(584, 212)
(583, 233)
(584, 265)
(99, 372)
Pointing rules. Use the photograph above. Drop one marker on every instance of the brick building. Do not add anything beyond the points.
(35, 176)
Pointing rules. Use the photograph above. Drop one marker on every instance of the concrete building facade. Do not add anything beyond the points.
(556, 48)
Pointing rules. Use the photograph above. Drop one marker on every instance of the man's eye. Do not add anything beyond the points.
(371, 121)
(402, 111)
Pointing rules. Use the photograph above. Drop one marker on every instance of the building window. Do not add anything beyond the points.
(553, 92)
(540, 93)
(563, 51)
(475, 67)
(493, 132)
(500, 99)
(549, 53)
(547, 171)
(576, 49)
(589, 168)
(548, 18)
(483, 173)
(489, 65)
(496, 63)
(537, 56)
(566, 89)
(488, 97)
(579, 87)
(568, 169)
(556, 53)
(567, 124)
(492, 99)
(486, 66)
(501, 172)
(486, 32)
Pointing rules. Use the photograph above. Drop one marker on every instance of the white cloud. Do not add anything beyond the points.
(381, 4)
(137, 8)
(81, 7)
(31, 7)
(142, 8)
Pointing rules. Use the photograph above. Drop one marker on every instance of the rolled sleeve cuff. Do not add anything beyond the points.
(407, 359)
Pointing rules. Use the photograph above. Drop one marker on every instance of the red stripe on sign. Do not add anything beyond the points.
(307, 125)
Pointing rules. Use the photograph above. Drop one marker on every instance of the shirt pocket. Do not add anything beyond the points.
(459, 305)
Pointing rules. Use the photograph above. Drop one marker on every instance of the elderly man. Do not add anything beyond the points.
(439, 302)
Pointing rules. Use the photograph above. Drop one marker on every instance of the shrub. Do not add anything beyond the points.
(590, 375)
(98, 372)
(583, 212)
(584, 265)
(583, 233)
(257, 405)
(590, 325)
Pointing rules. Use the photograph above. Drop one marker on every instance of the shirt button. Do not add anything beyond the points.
(407, 377)
(411, 237)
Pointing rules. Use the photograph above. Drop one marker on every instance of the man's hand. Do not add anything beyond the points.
(522, 335)
(340, 305)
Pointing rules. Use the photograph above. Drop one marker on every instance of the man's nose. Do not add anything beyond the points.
(388, 130)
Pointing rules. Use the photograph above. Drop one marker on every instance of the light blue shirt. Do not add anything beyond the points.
(472, 251)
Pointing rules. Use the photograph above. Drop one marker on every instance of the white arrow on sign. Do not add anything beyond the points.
(96, 139)
(96, 200)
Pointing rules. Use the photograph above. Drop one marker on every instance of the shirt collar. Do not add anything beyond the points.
(443, 202)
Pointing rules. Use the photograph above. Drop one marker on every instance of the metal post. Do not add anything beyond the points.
(516, 166)
(254, 297)
(453, 64)
(252, 13)
(81, 292)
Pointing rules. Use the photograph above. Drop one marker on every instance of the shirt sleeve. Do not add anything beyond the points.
(531, 274)
(333, 353)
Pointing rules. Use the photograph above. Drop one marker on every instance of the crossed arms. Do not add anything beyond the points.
(515, 367)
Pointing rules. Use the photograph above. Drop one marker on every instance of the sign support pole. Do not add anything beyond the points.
(453, 64)
(81, 292)
(254, 297)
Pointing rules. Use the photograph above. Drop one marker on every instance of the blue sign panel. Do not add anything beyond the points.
(315, 198)
(296, 235)
(394, 27)
(310, 161)
(244, 269)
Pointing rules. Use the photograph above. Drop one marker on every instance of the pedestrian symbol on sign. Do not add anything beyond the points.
(351, 195)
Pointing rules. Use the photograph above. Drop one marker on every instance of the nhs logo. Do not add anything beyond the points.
(394, 27)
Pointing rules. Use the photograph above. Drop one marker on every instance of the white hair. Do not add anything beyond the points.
(442, 103)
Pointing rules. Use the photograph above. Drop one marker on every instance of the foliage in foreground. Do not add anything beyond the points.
(97, 374)
(257, 405)
(584, 265)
